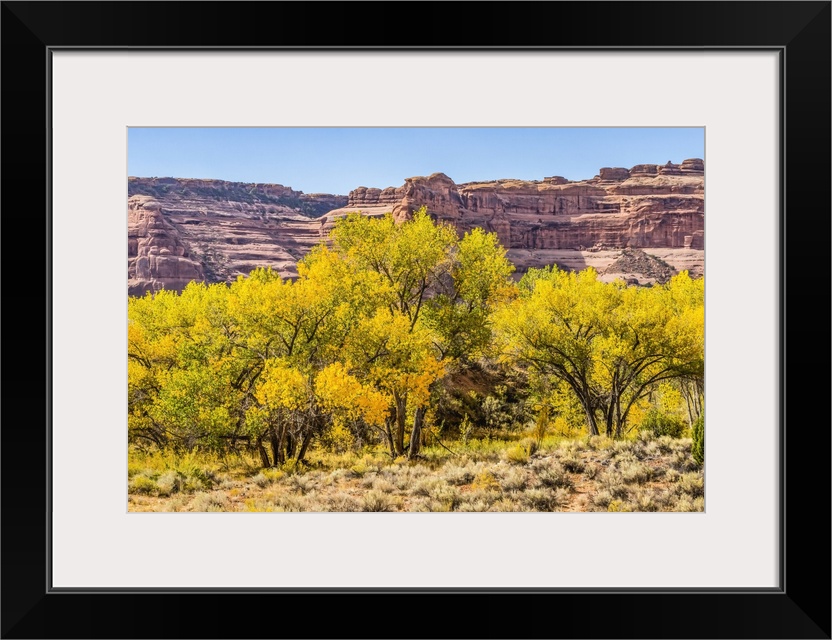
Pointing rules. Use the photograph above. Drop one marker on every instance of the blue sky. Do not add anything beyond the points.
(337, 160)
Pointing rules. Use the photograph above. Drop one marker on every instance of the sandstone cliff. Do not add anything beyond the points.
(659, 208)
(156, 256)
(228, 229)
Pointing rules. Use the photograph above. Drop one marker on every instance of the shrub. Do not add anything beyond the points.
(665, 444)
(572, 463)
(476, 506)
(553, 476)
(613, 482)
(261, 480)
(383, 485)
(635, 472)
(662, 424)
(507, 505)
(339, 475)
(425, 486)
(597, 443)
(618, 506)
(671, 475)
(301, 484)
(698, 449)
(478, 500)
(445, 495)
(682, 461)
(623, 450)
(170, 482)
(288, 502)
(486, 481)
(421, 505)
(143, 484)
(540, 499)
(602, 498)
(177, 503)
(338, 502)
(517, 454)
(465, 429)
(644, 501)
(459, 475)
(363, 466)
(627, 457)
(209, 502)
(651, 449)
(520, 453)
(646, 435)
(692, 484)
(513, 480)
(684, 504)
(407, 479)
(541, 425)
(378, 501)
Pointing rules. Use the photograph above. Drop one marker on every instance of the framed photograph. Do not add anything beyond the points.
(81, 79)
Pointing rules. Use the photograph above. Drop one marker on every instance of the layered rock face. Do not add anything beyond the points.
(230, 228)
(156, 257)
(573, 224)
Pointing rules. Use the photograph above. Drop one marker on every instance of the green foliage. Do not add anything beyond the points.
(661, 424)
(143, 484)
(698, 449)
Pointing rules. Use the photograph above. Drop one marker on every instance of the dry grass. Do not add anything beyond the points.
(590, 474)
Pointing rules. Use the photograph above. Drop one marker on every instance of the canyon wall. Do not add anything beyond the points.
(228, 229)
(156, 256)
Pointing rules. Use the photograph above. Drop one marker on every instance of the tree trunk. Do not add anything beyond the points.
(619, 423)
(264, 456)
(304, 444)
(275, 442)
(401, 404)
(690, 409)
(290, 445)
(590, 421)
(281, 456)
(390, 436)
(416, 436)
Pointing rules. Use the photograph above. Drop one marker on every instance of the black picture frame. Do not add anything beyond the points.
(799, 608)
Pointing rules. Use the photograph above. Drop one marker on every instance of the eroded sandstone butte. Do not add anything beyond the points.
(230, 228)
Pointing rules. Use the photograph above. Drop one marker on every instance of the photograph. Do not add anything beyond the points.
(416, 319)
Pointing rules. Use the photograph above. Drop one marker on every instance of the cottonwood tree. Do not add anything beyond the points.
(608, 342)
(435, 294)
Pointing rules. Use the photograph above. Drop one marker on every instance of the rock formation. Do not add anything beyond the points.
(574, 224)
(230, 228)
(635, 266)
(156, 257)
